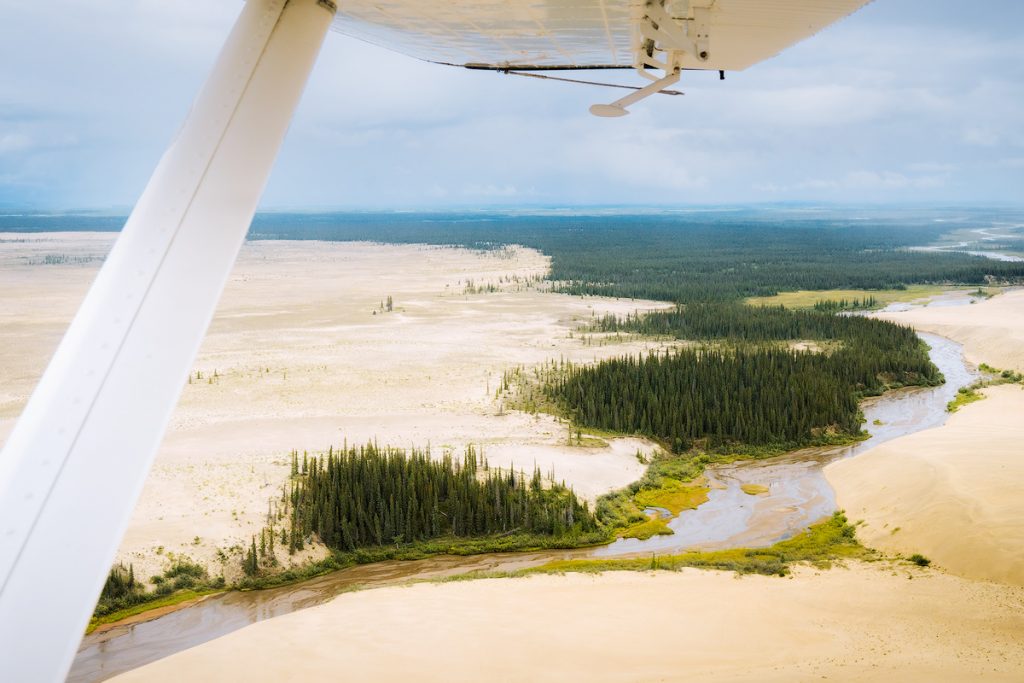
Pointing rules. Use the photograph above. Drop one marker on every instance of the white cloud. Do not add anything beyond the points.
(14, 142)
(876, 107)
(981, 136)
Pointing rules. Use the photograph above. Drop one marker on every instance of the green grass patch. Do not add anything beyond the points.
(449, 545)
(673, 495)
(970, 394)
(754, 489)
(156, 603)
(821, 544)
(964, 395)
(654, 526)
(806, 298)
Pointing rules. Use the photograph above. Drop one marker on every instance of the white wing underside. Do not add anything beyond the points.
(578, 33)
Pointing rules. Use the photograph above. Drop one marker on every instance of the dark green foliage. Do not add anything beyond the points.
(185, 574)
(699, 256)
(750, 392)
(122, 590)
(836, 305)
(251, 563)
(920, 560)
(752, 396)
(359, 497)
(120, 583)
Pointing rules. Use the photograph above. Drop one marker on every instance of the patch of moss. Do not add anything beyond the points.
(964, 395)
(655, 526)
(673, 495)
(822, 543)
(754, 489)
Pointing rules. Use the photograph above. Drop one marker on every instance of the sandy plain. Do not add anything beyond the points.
(862, 623)
(952, 493)
(992, 331)
(297, 323)
(301, 355)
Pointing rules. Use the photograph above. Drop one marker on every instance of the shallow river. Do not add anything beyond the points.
(798, 495)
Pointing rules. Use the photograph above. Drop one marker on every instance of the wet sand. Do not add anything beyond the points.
(864, 623)
(795, 494)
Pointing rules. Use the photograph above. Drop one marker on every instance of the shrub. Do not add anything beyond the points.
(920, 560)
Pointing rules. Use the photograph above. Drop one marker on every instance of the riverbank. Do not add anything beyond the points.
(953, 493)
(798, 496)
(992, 330)
(867, 622)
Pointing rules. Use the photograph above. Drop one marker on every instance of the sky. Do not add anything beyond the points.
(918, 101)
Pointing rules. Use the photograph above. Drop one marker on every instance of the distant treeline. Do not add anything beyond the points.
(365, 496)
(704, 256)
(749, 392)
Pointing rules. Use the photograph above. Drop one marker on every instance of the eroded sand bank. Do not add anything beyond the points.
(301, 355)
(992, 331)
(953, 494)
(865, 623)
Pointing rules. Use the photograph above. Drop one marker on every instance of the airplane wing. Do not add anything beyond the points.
(659, 38)
(76, 461)
(521, 34)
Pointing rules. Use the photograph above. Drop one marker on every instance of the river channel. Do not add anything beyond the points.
(797, 495)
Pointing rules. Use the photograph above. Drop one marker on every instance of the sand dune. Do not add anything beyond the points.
(952, 493)
(991, 331)
(866, 623)
(301, 355)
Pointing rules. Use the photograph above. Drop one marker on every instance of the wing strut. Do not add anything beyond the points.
(77, 459)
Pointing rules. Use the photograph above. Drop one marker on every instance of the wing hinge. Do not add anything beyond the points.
(663, 43)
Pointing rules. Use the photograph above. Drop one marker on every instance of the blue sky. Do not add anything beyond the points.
(905, 101)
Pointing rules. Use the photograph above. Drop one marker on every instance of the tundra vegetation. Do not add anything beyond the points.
(993, 377)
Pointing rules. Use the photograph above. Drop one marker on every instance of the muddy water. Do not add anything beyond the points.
(798, 495)
(123, 648)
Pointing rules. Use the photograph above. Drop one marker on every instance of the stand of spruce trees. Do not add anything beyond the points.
(749, 390)
(699, 256)
(365, 496)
